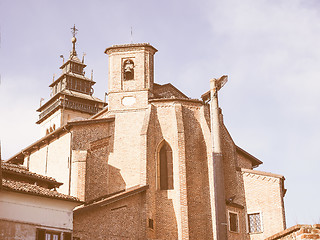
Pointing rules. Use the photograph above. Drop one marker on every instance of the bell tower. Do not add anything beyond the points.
(71, 94)
(131, 76)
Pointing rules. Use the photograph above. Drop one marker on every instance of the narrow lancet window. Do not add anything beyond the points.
(165, 167)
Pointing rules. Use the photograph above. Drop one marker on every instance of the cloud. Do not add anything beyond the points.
(17, 122)
(270, 49)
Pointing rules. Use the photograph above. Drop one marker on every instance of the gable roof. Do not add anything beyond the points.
(167, 91)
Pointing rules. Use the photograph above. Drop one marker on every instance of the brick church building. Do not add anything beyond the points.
(151, 163)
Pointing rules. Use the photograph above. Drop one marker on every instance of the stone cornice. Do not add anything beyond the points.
(130, 47)
(265, 174)
(175, 100)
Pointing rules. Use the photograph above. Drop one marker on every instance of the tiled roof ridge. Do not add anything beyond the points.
(3, 163)
(35, 190)
(23, 170)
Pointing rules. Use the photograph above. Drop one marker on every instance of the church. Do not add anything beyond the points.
(151, 163)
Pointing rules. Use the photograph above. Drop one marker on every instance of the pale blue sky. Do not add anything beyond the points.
(270, 50)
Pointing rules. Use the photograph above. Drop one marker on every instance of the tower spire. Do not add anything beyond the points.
(67, 86)
(74, 31)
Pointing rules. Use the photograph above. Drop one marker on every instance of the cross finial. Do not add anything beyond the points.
(74, 30)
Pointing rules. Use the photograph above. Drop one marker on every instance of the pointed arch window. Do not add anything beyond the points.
(165, 167)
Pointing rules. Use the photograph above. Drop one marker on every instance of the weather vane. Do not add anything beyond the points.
(74, 30)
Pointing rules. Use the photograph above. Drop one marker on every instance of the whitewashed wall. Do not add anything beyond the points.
(42, 211)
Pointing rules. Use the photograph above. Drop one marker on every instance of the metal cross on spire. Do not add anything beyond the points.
(74, 40)
(74, 30)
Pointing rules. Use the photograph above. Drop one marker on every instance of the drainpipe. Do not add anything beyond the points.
(220, 219)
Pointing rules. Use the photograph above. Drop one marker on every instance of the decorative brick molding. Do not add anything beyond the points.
(99, 143)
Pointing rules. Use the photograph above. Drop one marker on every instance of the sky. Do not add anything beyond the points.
(270, 50)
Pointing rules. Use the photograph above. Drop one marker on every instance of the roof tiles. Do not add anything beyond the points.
(35, 190)
(15, 168)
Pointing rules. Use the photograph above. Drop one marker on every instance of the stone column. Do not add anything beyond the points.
(219, 211)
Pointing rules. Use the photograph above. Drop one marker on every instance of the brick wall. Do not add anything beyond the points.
(52, 158)
(125, 153)
(234, 185)
(12, 230)
(264, 195)
(200, 225)
(183, 212)
(119, 220)
(164, 206)
(91, 172)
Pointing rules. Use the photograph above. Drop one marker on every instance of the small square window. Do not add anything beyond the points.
(233, 222)
(254, 223)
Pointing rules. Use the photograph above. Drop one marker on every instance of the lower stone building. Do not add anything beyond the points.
(31, 208)
(153, 163)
